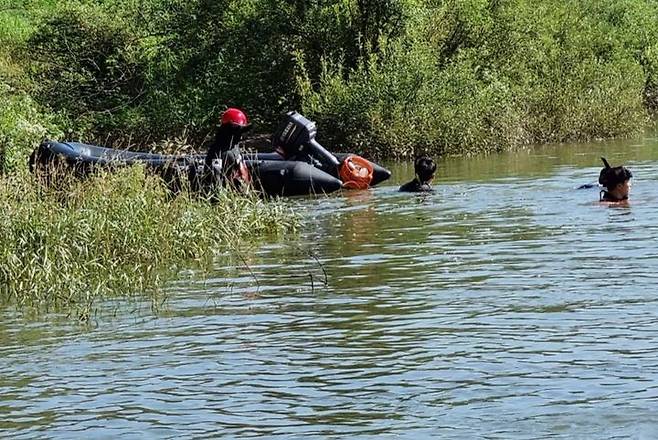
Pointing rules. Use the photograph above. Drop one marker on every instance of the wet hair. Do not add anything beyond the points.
(425, 168)
(612, 176)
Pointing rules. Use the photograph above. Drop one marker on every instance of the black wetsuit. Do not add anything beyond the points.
(416, 186)
(224, 163)
(605, 196)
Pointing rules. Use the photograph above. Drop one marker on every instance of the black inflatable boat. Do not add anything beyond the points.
(272, 177)
(300, 167)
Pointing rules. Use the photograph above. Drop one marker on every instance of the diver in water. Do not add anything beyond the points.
(224, 164)
(425, 168)
(616, 181)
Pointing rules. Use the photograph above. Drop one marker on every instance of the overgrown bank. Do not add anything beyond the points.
(389, 77)
(68, 247)
(65, 248)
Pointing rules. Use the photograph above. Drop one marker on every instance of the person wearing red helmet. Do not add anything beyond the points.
(224, 162)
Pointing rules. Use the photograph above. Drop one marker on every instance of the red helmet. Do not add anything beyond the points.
(234, 116)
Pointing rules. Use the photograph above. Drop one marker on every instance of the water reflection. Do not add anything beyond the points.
(504, 305)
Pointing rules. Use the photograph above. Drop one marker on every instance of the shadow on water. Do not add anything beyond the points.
(504, 305)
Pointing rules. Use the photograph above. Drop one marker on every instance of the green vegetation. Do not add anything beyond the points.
(23, 122)
(481, 76)
(385, 77)
(381, 77)
(64, 248)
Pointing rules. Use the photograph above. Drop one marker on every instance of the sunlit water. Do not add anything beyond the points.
(505, 305)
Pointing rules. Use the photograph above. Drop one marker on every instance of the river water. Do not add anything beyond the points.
(505, 305)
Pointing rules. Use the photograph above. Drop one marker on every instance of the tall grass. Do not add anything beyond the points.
(64, 248)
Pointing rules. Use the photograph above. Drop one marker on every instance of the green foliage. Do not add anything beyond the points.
(22, 127)
(386, 77)
(478, 76)
(86, 66)
(66, 248)
(220, 54)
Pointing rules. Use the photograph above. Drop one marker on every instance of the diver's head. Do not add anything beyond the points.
(616, 181)
(425, 168)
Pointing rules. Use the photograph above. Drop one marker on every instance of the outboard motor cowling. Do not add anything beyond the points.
(296, 135)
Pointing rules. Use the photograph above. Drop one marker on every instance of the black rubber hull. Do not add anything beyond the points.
(379, 173)
(272, 177)
(287, 178)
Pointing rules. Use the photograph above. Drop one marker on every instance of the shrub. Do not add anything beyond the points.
(87, 69)
(22, 127)
(474, 76)
(385, 77)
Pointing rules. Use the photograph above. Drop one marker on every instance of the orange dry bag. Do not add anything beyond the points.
(355, 172)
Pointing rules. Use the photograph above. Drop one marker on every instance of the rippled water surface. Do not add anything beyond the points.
(504, 305)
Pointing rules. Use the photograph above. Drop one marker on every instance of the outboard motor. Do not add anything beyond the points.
(296, 135)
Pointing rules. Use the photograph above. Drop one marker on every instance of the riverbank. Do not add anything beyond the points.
(455, 78)
(65, 249)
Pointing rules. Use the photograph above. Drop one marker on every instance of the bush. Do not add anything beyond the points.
(22, 127)
(471, 77)
(387, 77)
(86, 68)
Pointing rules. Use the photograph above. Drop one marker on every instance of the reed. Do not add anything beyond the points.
(65, 247)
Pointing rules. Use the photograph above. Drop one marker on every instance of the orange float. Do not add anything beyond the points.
(355, 172)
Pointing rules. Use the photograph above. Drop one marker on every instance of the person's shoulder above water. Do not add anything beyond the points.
(616, 182)
(416, 186)
(424, 167)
